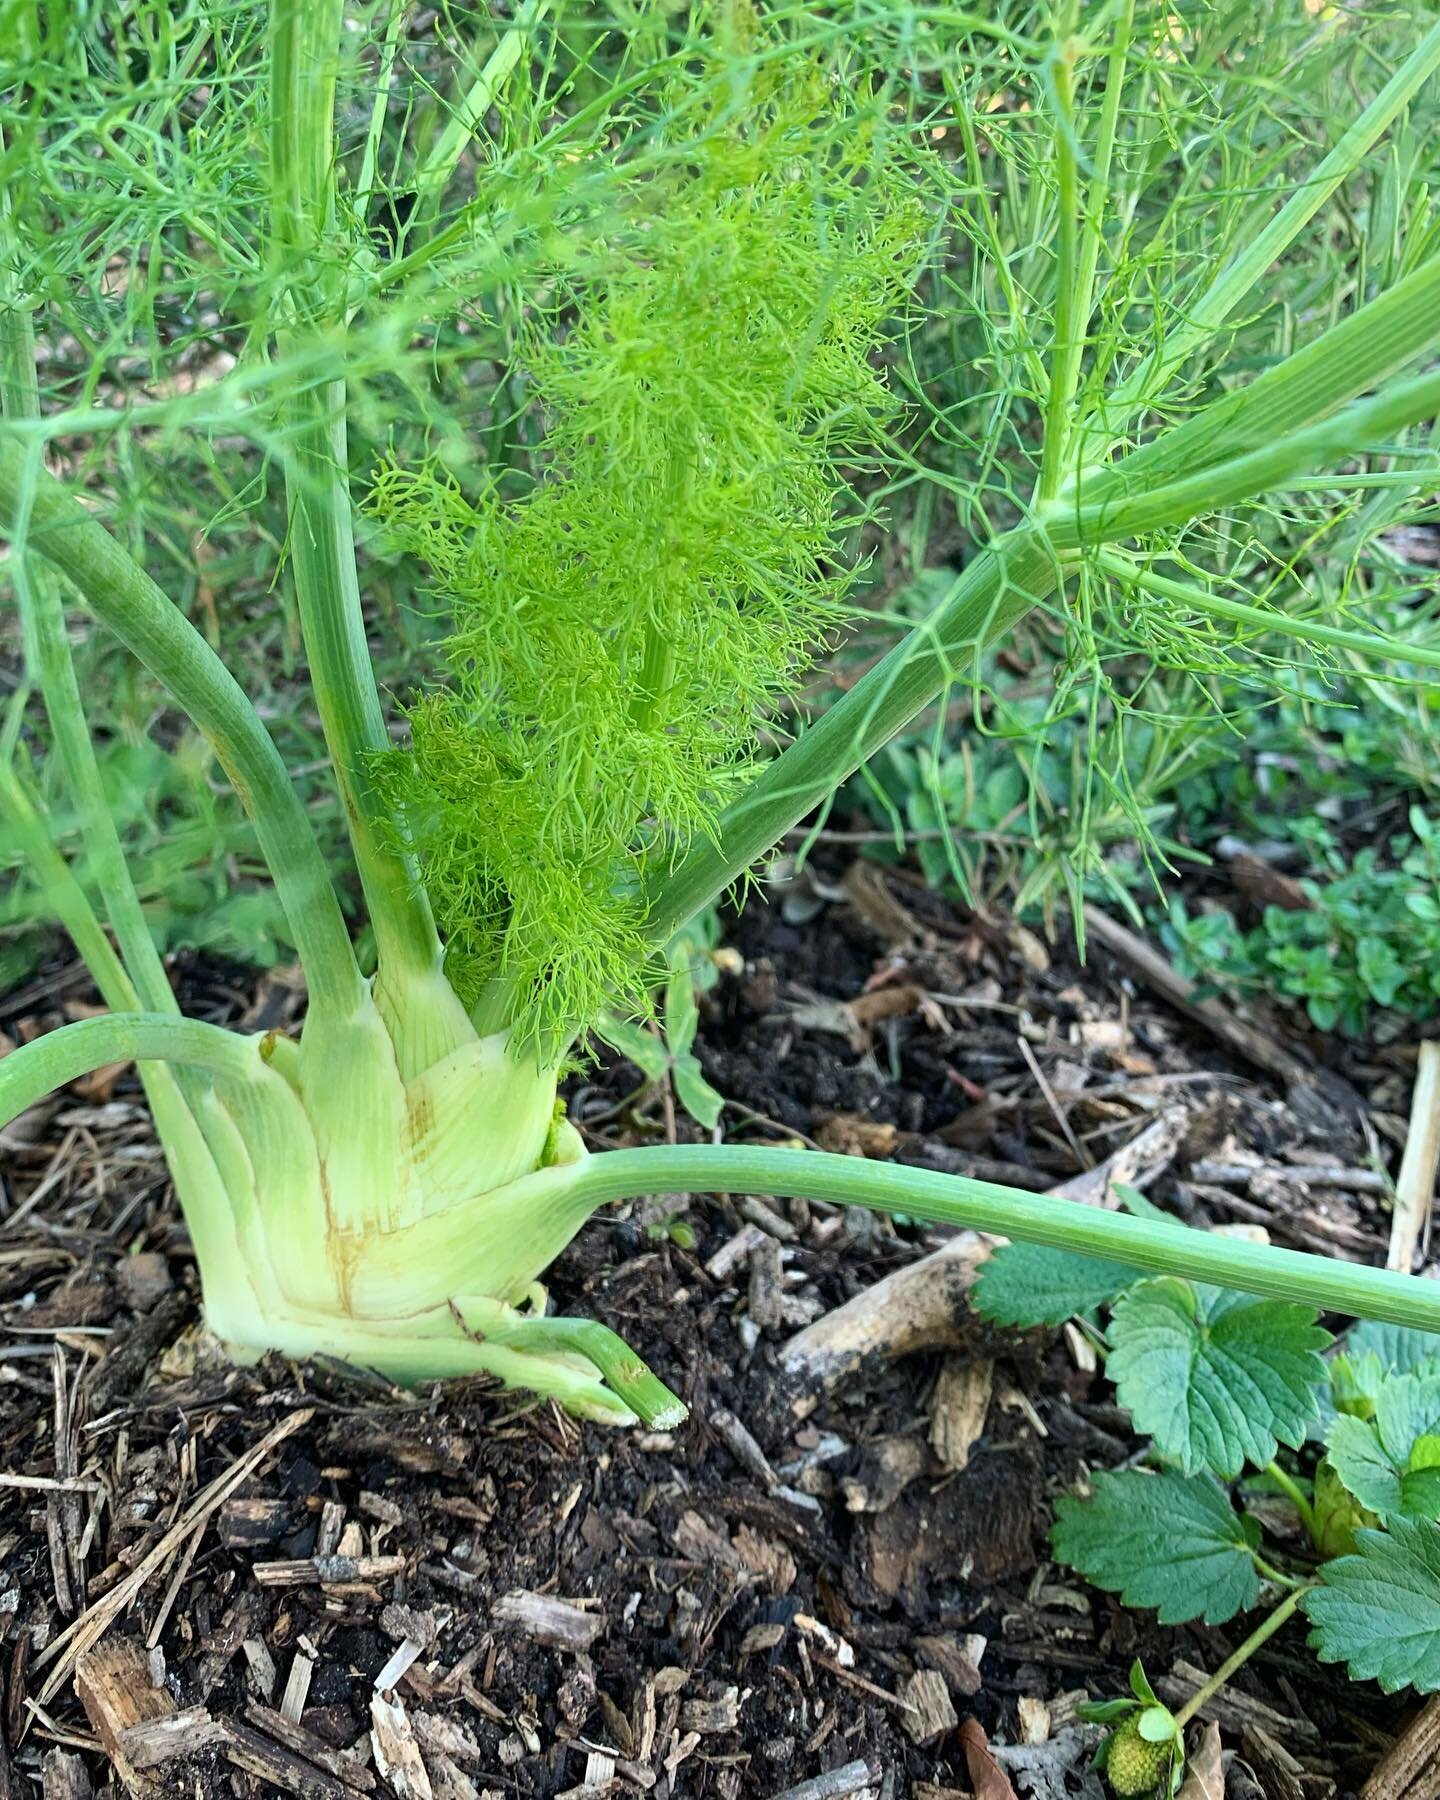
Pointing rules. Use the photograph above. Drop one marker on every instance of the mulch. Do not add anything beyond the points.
(284, 1579)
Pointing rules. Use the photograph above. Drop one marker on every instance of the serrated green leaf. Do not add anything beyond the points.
(1161, 1541)
(1398, 1347)
(1372, 1456)
(1213, 1376)
(1420, 1493)
(1028, 1284)
(1378, 1611)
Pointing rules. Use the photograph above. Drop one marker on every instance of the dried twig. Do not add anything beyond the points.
(1415, 1184)
(96, 1620)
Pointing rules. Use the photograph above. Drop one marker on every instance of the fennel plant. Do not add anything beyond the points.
(688, 261)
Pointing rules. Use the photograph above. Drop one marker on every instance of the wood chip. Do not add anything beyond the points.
(1411, 1767)
(1232, 1708)
(1224, 1023)
(957, 1661)
(760, 1638)
(734, 1253)
(114, 1686)
(767, 1274)
(835, 1784)
(63, 1777)
(957, 1413)
(397, 1755)
(930, 1714)
(743, 1447)
(1034, 1718)
(297, 1687)
(328, 1571)
(698, 1541)
(261, 1756)
(154, 1741)
(920, 1307)
(765, 1218)
(1279, 1773)
(554, 1623)
(1415, 1184)
(244, 1524)
(764, 1557)
(261, 1665)
(888, 1466)
(710, 1717)
(92, 1624)
(294, 1737)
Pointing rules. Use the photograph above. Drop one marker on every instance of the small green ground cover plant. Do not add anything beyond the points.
(1368, 939)
(687, 258)
(1241, 1400)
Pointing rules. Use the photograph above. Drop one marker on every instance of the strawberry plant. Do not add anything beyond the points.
(1239, 1399)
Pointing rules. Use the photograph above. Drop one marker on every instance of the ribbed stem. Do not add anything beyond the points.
(1211, 461)
(36, 1069)
(308, 263)
(1161, 1249)
(1198, 320)
(50, 665)
(124, 598)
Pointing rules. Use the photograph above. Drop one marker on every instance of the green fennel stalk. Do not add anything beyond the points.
(706, 312)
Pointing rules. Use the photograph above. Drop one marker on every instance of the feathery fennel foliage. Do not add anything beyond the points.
(681, 246)
(623, 629)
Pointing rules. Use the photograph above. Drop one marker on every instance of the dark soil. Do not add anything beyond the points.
(737, 1621)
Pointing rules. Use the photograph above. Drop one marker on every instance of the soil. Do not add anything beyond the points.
(793, 1585)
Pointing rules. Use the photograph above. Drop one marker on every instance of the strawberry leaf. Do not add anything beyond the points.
(1378, 1611)
(1028, 1284)
(1373, 1456)
(1216, 1377)
(1399, 1348)
(1161, 1541)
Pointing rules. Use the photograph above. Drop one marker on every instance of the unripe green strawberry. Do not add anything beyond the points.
(1133, 1764)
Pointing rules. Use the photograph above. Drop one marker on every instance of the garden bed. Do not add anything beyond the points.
(838, 1560)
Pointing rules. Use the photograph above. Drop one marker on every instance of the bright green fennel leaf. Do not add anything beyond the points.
(1372, 1457)
(1163, 1541)
(1028, 1284)
(1216, 1377)
(1378, 1611)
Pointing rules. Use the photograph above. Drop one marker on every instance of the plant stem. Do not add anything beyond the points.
(308, 262)
(1356, 355)
(1308, 631)
(998, 588)
(1295, 1494)
(50, 664)
(1241, 478)
(1076, 296)
(1071, 310)
(64, 895)
(49, 1062)
(1163, 1249)
(1279, 426)
(439, 165)
(125, 599)
(1237, 1659)
(1199, 320)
